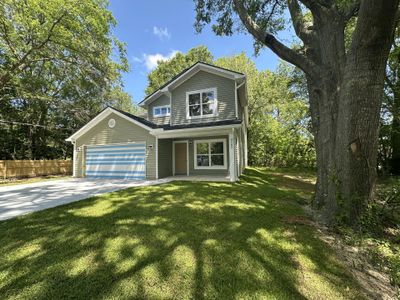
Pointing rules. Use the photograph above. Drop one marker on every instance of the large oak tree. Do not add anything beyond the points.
(345, 80)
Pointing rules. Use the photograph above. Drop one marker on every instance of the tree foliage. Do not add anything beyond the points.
(166, 70)
(59, 66)
(278, 133)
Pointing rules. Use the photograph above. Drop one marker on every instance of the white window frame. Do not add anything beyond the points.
(161, 115)
(201, 103)
(209, 141)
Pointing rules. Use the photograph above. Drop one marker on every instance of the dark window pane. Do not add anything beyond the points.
(217, 148)
(203, 161)
(208, 96)
(208, 109)
(157, 111)
(194, 110)
(202, 148)
(194, 99)
(164, 110)
(217, 160)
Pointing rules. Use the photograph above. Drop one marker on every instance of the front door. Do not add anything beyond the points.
(181, 158)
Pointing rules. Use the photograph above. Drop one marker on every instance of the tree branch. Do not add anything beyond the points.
(22, 62)
(287, 54)
(298, 22)
(352, 10)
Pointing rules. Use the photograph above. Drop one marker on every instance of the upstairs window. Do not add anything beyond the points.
(201, 103)
(162, 111)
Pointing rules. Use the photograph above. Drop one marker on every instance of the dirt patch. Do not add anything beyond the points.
(376, 283)
(297, 220)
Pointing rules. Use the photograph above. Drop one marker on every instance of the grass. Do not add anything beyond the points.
(179, 240)
(16, 181)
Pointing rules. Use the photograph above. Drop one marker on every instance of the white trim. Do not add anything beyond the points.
(232, 170)
(74, 161)
(187, 155)
(196, 67)
(201, 116)
(236, 101)
(241, 84)
(224, 129)
(244, 128)
(209, 141)
(170, 105)
(100, 117)
(156, 157)
(160, 107)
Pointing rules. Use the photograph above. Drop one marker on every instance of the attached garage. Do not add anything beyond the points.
(115, 144)
(122, 161)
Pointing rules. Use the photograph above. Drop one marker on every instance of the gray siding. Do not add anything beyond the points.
(203, 80)
(164, 158)
(123, 132)
(160, 101)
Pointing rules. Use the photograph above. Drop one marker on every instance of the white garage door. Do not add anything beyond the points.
(125, 161)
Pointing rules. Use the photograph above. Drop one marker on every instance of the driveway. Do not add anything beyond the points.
(25, 198)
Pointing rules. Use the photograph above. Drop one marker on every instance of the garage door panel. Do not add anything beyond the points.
(126, 161)
(116, 167)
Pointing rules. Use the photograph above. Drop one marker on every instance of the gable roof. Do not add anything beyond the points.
(145, 123)
(104, 114)
(186, 73)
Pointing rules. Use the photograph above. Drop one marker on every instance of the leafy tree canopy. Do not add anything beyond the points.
(168, 69)
(59, 66)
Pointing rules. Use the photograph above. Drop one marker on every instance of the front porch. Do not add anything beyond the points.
(209, 155)
(199, 178)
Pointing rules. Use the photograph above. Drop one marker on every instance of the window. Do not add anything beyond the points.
(210, 154)
(161, 111)
(201, 103)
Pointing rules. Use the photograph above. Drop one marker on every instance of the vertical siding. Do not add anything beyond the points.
(123, 132)
(203, 80)
(160, 101)
(164, 158)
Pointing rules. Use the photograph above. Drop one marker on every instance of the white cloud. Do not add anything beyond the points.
(161, 33)
(151, 60)
(137, 59)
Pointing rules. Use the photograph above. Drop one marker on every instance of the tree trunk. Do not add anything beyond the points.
(345, 89)
(348, 125)
(395, 135)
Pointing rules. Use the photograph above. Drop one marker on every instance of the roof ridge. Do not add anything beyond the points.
(184, 71)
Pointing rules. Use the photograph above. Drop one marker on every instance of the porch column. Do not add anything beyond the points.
(156, 157)
(232, 169)
(74, 157)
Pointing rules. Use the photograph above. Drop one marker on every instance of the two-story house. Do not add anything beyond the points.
(196, 125)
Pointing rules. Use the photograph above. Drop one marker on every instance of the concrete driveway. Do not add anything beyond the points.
(24, 198)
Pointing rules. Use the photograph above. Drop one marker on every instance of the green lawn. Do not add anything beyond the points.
(179, 240)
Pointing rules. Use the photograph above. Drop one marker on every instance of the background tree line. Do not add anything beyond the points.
(59, 66)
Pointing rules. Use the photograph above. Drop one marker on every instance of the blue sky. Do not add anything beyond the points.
(158, 29)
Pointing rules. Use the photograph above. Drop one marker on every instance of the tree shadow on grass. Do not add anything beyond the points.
(178, 240)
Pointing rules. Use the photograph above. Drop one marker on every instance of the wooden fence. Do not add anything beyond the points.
(32, 168)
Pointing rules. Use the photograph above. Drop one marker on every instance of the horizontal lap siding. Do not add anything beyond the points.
(164, 158)
(123, 132)
(204, 80)
(160, 101)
